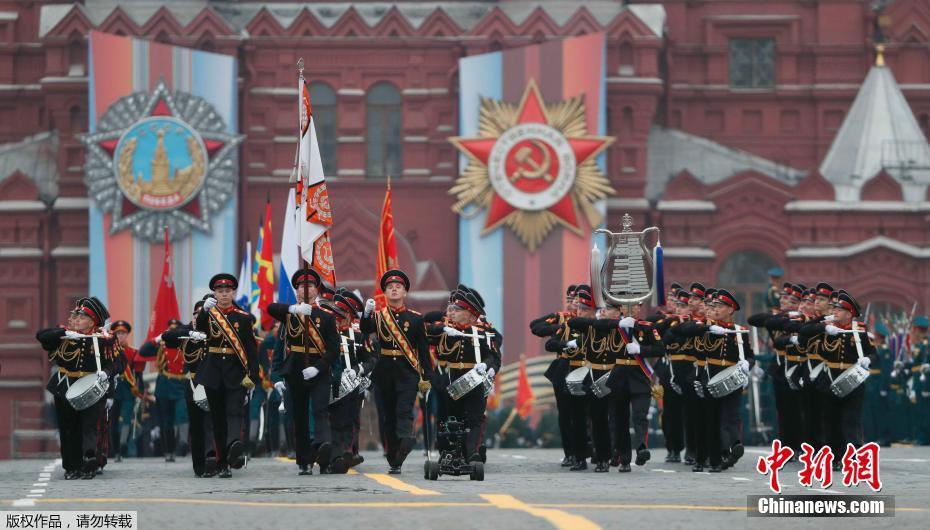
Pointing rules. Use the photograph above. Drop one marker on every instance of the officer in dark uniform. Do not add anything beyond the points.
(73, 353)
(311, 347)
(875, 406)
(787, 400)
(456, 353)
(678, 376)
(695, 426)
(228, 370)
(192, 345)
(169, 386)
(842, 417)
(570, 345)
(722, 348)
(126, 392)
(547, 326)
(344, 413)
(403, 367)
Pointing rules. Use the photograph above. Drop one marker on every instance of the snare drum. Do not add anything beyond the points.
(465, 384)
(86, 391)
(200, 397)
(575, 380)
(727, 381)
(347, 384)
(600, 388)
(848, 381)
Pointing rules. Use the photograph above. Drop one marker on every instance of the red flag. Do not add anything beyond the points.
(525, 397)
(166, 302)
(387, 246)
(265, 278)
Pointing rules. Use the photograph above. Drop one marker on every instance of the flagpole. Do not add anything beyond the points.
(300, 96)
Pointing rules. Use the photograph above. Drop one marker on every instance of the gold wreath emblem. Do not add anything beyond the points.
(184, 181)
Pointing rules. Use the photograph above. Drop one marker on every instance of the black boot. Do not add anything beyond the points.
(225, 472)
(673, 457)
(580, 464)
(642, 456)
(323, 456)
(209, 465)
(305, 470)
(236, 454)
(568, 461)
(737, 452)
(624, 467)
(601, 467)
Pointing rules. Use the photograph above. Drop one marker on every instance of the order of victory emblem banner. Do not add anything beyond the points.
(532, 166)
(161, 159)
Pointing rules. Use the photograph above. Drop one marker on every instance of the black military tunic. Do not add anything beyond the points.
(200, 428)
(569, 359)
(547, 326)
(75, 358)
(318, 347)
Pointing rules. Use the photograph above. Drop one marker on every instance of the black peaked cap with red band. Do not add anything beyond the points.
(94, 308)
(586, 295)
(121, 325)
(725, 297)
(470, 300)
(352, 298)
(823, 289)
(223, 279)
(846, 301)
(570, 292)
(392, 276)
(698, 289)
(342, 305)
(302, 276)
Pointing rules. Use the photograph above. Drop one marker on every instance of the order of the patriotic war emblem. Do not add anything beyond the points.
(161, 159)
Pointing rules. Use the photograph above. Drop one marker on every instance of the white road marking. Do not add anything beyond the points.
(39, 487)
(24, 502)
(664, 471)
(742, 479)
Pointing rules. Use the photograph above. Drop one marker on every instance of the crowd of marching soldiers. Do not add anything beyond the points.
(216, 367)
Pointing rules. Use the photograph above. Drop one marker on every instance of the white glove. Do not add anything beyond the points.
(627, 323)
(280, 386)
(864, 362)
(633, 348)
(452, 332)
(491, 373)
(793, 340)
(828, 318)
(898, 365)
(359, 314)
(744, 366)
(925, 368)
(197, 335)
(481, 368)
(300, 309)
(157, 339)
(572, 344)
(73, 335)
(369, 306)
(717, 330)
(109, 403)
(794, 314)
(209, 303)
(350, 371)
(310, 372)
(248, 396)
(831, 329)
(361, 370)
(102, 376)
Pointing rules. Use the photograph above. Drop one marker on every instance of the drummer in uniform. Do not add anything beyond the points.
(724, 347)
(403, 367)
(74, 354)
(842, 416)
(169, 386)
(344, 413)
(127, 389)
(456, 353)
(228, 370)
(191, 343)
(311, 343)
(680, 371)
(547, 326)
(570, 345)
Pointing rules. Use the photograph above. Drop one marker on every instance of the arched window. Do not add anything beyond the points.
(76, 58)
(323, 101)
(626, 59)
(383, 114)
(745, 274)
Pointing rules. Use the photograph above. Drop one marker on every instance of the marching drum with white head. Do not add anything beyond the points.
(727, 381)
(465, 384)
(848, 381)
(575, 380)
(86, 391)
(200, 397)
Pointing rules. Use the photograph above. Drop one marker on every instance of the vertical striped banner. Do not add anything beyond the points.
(124, 272)
(516, 284)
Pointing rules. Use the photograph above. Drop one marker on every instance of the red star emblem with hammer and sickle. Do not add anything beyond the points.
(532, 167)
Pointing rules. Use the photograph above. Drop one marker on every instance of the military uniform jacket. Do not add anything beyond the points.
(607, 344)
(192, 351)
(567, 359)
(75, 358)
(456, 355)
(678, 357)
(719, 352)
(318, 348)
(221, 366)
(794, 356)
(360, 352)
(773, 324)
(839, 351)
(410, 325)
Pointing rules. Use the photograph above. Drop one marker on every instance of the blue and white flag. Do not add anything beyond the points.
(290, 260)
(244, 292)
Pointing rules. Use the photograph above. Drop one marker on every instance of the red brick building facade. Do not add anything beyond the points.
(723, 112)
